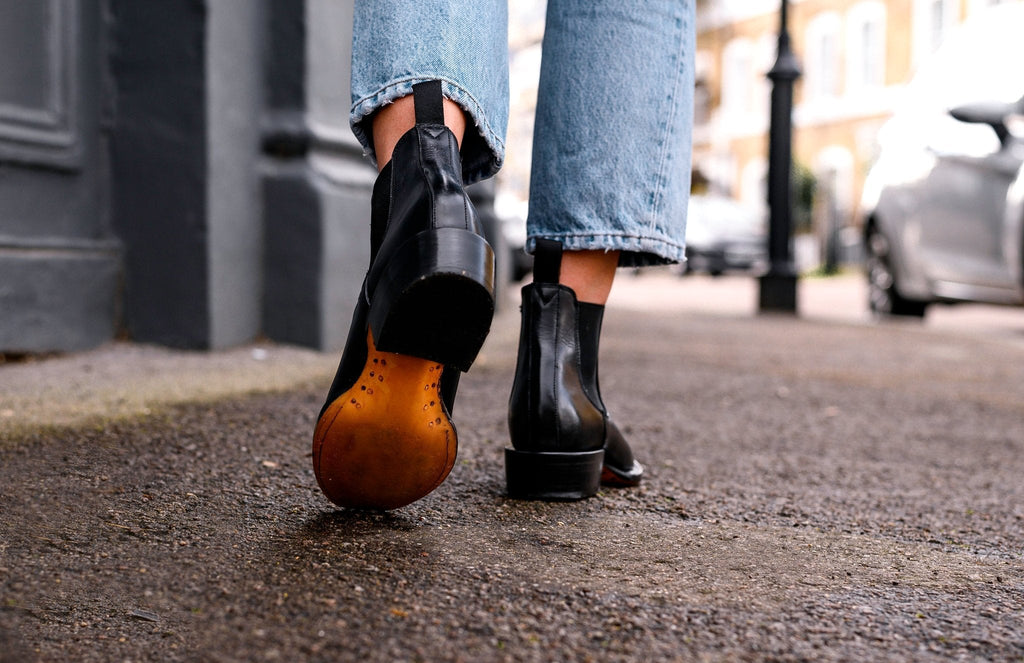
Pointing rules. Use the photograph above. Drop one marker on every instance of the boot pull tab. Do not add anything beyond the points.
(547, 261)
(429, 102)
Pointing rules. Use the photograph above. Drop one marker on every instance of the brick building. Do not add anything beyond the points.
(856, 57)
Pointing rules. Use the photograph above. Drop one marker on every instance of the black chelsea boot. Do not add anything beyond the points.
(564, 446)
(385, 437)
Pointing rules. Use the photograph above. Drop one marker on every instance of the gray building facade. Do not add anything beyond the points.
(178, 172)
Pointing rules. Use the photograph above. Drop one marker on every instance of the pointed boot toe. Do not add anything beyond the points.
(620, 468)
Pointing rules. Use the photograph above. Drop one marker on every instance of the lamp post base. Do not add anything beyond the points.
(778, 293)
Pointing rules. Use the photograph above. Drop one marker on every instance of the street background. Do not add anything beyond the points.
(181, 175)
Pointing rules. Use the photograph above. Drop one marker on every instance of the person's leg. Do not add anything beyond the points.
(609, 186)
(589, 274)
(462, 43)
(612, 142)
(396, 119)
(384, 436)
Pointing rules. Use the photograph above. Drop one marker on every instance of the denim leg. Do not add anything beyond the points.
(464, 43)
(612, 140)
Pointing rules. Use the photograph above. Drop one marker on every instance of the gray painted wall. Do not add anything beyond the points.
(59, 259)
(315, 260)
(159, 164)
(181, 171)
(234, 80)
(344, 175)
(218, 159)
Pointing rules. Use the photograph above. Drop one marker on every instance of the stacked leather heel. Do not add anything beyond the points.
(384, 437)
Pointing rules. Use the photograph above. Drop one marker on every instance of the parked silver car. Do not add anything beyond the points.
(724, 235)
(944, 203)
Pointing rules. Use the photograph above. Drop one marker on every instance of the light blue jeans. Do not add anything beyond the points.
(612, 138)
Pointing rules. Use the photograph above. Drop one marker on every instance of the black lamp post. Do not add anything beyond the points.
(778, 285)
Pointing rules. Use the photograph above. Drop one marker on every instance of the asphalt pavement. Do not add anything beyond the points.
(820, 487)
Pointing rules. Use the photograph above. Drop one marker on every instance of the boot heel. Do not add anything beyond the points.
(435, 299)
(539, 475)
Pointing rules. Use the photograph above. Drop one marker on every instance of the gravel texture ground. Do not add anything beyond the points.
(816, 492)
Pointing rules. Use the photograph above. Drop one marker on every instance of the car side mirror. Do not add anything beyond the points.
(993, 114)
(1015, 125)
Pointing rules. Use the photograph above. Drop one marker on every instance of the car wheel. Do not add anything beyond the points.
(883, 296)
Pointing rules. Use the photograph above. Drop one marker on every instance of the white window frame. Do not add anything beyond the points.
(865, 63)
(754, 182)
(823, 75)
(737, 64)
(980, 5)
(766, 51)
(703, 75)
(839, 160)
(925, 40)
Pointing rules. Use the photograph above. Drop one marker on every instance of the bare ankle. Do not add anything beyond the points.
(590, 274)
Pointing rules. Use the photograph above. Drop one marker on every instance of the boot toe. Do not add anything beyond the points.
(620, 468)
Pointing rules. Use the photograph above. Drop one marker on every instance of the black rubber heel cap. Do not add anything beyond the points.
(555, 476)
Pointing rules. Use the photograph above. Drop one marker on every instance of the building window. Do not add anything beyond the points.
(978, 5)
(767, 50)
(865, 47)
(932, 21)
(702, 89)
(737, 64)
(833, 171)
(822, 59)
(754, 182)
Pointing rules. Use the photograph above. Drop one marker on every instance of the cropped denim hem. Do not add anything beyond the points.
(636, 251)
(612, 135)
(483, 150)
(612, 143)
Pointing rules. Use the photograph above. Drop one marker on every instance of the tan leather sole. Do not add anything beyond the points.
(388, 440)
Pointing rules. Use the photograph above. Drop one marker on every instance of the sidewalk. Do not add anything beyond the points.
(819, 488)
(123, 380)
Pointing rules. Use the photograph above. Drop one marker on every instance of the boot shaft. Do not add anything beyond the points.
(555, 403)
(421, 188)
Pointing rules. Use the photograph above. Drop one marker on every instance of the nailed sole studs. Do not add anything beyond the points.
(387, 441)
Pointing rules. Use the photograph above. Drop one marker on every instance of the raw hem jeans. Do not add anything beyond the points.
(612, 138)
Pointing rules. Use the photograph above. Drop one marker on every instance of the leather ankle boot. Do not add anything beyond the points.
(384, 437)
(563, 443)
